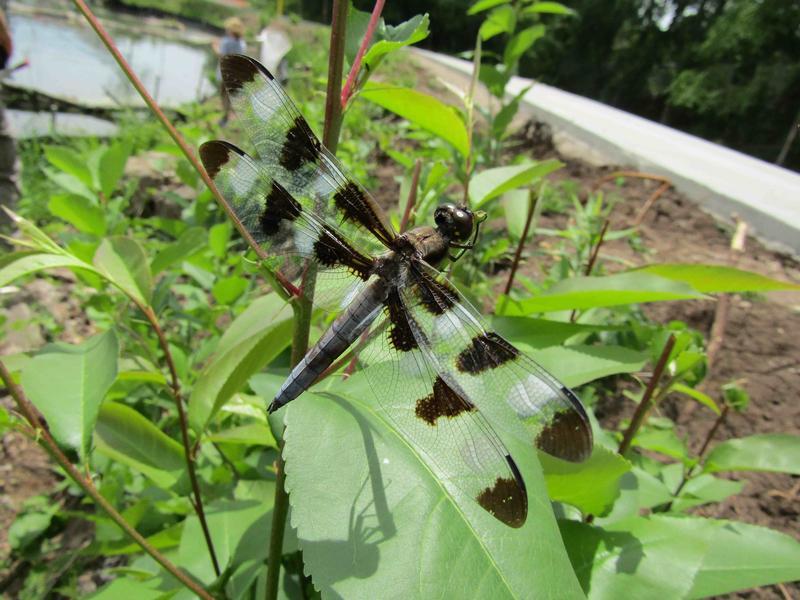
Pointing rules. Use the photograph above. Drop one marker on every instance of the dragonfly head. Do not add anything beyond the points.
(457, 222)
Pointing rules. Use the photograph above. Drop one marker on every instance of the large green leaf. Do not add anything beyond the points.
(639, 557)
(252, 341)
(554, 8)
(576, 365)
(540, 333)
(409, 32)
(705, 489)
(638, 490)
(522, 40)
(372, 513)
(239, 529)
(742, 556)
(580, 293)
(68, 383)
(482, 5)
(112, 166)
(502, 19)
(592, 486)
(190, 241)
(126, 436)
(23, 263)
(423, 110)
(779, 452)
(69, 161)
(715, 278)
(76, 210)
(122, 260)
(492, 183)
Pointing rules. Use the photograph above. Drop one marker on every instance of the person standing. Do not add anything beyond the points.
(231, 43)
(9, 193)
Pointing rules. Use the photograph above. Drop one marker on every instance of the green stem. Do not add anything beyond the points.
(31, 414)
(302, 304)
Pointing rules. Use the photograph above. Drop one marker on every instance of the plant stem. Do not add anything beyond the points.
(533, 200)
(412, 196)
(31, 414)
(302, 304)
(348, 89)
(645, 405)
(175, 386)
(176, 137)
(592, 260)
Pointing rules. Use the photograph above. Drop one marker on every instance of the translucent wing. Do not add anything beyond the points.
(477, 361)
(292, 155)
(436, 418)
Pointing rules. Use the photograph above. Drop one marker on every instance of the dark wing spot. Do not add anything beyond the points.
(567, 435)
(331, 250)
(487, 351)
(300, 147)
(280, 206)
(507, 500)
(400, 335)
(437, 297)
(238, 70)
(352, 201)
(215, 155)
(442, 402)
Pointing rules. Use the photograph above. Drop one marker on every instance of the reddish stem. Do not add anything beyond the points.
(347, 90)
(532, 200)
(412, 196)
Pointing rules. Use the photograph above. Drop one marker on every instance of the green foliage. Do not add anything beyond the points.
(185, 316)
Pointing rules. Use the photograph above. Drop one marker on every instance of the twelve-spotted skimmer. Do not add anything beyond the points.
(297, 202)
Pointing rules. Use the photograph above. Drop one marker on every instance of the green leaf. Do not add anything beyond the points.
(126, 436)
(122, 260)
(503, 119)
(482, 5)
(69, 161)
(638, 490)
(554, 8)
(702, 398)
(79, 212)
(129, 587)
(492, 183)
(254, 434)
(112, 166)
(162, 540)
(705, 489)
(717, 279)
(410, 32)
(495, 78)
(579, 364)
(228, 289)
(361, 475)
(592, 486)
(639, 557)
(427, 112)
(501, 20)
(218, 237)
(239, 530)
(662, 440)
(742, 556)
(540, 333)
(68, 383)
(252, 341)
(611, 290)
(26, 264)
(192, 240)
(520, 43)
(777, 452)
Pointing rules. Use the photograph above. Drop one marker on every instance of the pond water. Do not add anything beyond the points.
(68, 62)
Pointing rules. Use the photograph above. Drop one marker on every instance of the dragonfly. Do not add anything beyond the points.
(432, 361)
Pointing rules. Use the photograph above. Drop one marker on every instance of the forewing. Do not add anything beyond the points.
(282, 224)
(293, 155)
(484, 365)
(436, 419)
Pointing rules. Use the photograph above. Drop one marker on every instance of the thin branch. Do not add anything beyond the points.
(645, 405)
(649, 203)
(412, 196)
(592, 260)
(349, 86)
(175, 386)
(176, 137)
(470, 106)
(302, 305)
(533, 200)
(31, 414)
